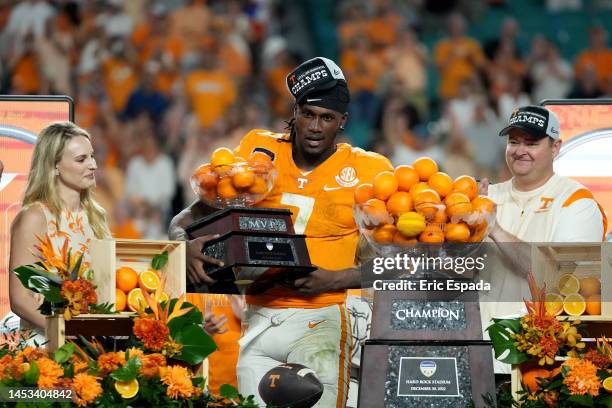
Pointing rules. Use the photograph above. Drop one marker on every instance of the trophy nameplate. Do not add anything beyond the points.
(255, 244)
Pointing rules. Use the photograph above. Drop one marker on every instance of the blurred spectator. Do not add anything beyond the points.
(513, 98)
(114, 20)
(509, 33)
(109, 178)
(457, 57)
(150, 175)
(279, 99)
(146, 98)
(191, 23)
(551, 75)
(124, 224)
(383, 27)
(483, 148)
(119, 73)
(24, 64)
(153, 38)
(211, 90)
(29, 17)
(598, 57)
(407, 74)
(461, 110)
(53, 51)
(587, 85)
(503, 69)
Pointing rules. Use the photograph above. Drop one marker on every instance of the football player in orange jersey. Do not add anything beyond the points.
(305, 320)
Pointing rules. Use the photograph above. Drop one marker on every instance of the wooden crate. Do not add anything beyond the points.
(550, 261)
(108, 255)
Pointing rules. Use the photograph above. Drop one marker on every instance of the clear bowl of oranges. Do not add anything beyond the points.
(418, 204)
(230, 180)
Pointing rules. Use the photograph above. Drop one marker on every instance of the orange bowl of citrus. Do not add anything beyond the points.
(230, 180)
(417, 203)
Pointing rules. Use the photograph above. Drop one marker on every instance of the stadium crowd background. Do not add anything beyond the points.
(161, 84)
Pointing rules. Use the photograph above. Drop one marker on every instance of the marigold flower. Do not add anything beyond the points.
(50, 373)
(178, 380)
(599, 360)
(582, 377)
(151, 363)
(153, 333)
(86, 389)
(109, 362)
(79, 294)
(135, 352)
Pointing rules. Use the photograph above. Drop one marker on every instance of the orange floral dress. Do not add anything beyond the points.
(70, 229)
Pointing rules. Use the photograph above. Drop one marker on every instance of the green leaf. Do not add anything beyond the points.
(102, 308)
(75, 271)
(194, 316)
(159, 261)
(197, 344)
(31, 376)
(25, 272)
(129, 371)
(606, 401)
(228, 391)
(62, 354)
(50, 290)
(582, 400)
(499, 332)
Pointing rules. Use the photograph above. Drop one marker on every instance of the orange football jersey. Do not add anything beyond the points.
(321, 202)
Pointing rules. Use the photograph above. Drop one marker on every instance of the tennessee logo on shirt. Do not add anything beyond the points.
(546, 201)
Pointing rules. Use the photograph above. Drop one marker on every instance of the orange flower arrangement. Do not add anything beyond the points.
(153, 333)
(151, 365)
(86, 388)
(582, 377)
(109, 362)
(79, 294)
(178, 380)
(50, 373)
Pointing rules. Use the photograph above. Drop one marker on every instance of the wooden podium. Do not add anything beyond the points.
(425, 350)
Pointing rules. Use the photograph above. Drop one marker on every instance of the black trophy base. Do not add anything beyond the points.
(239, 278)
(415, 374)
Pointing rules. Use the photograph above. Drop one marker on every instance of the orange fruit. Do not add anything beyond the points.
(440, 217)
(427, 202)
(574, 304)
(568, 284)
(478, 233)
(458, 205)
(457, 232)
(400, 239)
(406, 177)
(530, 378)
(127, 389)
(225, 188)
(432, 234)
(363, 193)
(126, 278)
(206, 177)
(417, 188)
(425, 167)
(441, 182)
(399, 203)
(222, 157)
(260, 186)
(385, 184)
(120, 300)
(483, 204)
(376, 210)
(260, 162)
(384, 233)
(553, 303)
(466, 185)
(136, 300)
(148, 280)
(243, 177)
(593, 305)
(590, 286)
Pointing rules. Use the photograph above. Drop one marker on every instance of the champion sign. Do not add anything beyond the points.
(528, 117)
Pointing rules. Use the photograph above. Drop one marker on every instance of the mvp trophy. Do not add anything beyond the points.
(258, 246)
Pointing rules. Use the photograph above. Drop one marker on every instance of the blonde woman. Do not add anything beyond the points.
(58, 202)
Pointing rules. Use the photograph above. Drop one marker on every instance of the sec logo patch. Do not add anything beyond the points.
(347, 177)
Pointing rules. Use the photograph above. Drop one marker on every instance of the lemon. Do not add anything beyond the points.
(553, 303)
(568, 284)
(574, 304)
